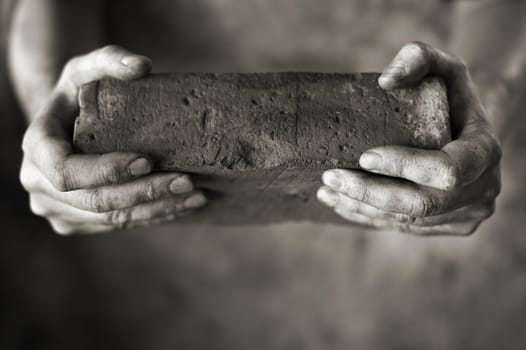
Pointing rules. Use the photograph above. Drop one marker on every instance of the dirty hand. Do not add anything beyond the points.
(95, 193)
(445, 192)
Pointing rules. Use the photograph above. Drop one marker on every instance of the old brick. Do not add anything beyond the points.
(258, 141)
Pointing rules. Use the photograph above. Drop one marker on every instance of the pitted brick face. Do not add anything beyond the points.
(260, 140)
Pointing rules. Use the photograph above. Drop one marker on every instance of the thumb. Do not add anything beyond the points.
(48, 139)
(110, 61)
(417, 60)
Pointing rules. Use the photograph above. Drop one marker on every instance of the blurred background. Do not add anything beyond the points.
(284, 286)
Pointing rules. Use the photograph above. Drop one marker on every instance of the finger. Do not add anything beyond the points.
(404, 197)
(363, 217)
(459, 163)
(48, 207)
(475, 212)
(100, 199)
(417, 60)
(98, 229)
(66, 228)
(110, 61)
(424, 167)
(67, 171)
(345, 204)
(454, 229)
(146, 189)
(386, 193)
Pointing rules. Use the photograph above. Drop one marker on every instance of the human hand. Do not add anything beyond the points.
(80, 193)
(426, 192)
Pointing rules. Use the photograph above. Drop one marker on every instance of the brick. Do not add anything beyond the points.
(258, 143)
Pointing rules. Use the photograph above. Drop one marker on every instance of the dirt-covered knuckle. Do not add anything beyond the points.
(97, 200)
(401, 165)
(361, 192)
(422, 205)
(109, 172)
(355, 186)
(148, 191)
(388, 199)
(404, 219)
(119, 218)
(61, 178)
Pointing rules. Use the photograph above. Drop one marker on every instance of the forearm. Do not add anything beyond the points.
(44, 34)
(490, 36)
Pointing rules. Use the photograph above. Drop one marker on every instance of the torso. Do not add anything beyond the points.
(275, 35)
(282, 286)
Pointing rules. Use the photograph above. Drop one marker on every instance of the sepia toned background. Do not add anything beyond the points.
(284, 286)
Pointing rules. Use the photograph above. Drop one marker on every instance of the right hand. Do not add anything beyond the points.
(81, 193)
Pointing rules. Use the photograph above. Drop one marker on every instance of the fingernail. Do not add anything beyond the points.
(126, 60)
(371, 161)
(132, 60)
(195, 201)
(328, 197)
(394, 72)
(333, 179)
(389, 76)
(385, 83)
(182, 184)
(140, 166)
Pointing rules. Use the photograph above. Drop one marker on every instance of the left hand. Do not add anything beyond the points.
(427, 192)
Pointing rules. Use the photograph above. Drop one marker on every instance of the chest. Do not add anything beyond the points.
(253, 35)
